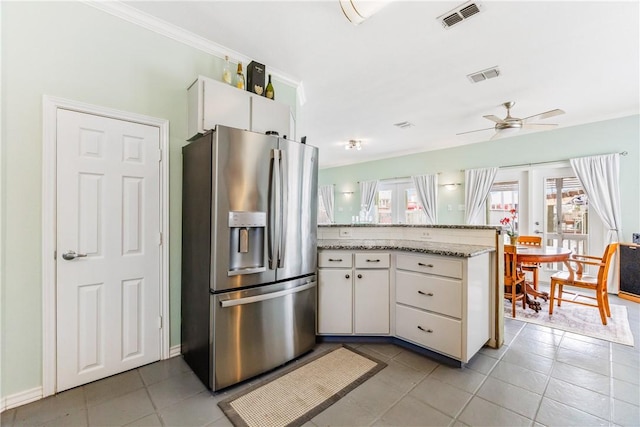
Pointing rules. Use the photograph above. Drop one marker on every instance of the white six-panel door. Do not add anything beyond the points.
(107, 208)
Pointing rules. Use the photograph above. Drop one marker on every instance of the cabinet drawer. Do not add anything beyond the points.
(441, 266)
(334, 259)
(430, 330)
(372, 260)
(439, 294)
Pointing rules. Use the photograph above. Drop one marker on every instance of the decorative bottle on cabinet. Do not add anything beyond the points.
(240, 77)
(269, 93)
(226, 71)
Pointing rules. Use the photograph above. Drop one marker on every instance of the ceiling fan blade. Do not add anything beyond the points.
(471, 131)
(545, 115)
(538, 125)
(494, 118)
(495, 135)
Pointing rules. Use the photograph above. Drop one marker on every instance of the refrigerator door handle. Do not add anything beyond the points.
(277, 211)
(263, 297)
(283, 209)
(271, 209)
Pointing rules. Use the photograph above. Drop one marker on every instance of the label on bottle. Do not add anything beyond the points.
(240, 84)
(226, 76)
(257, 89)
(269, 94)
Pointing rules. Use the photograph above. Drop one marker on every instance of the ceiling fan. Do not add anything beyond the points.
(509, 124)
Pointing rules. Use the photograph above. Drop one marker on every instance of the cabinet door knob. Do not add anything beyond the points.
(425, 265)
(346, 276)
(425, 330)
(430, 294)
(359, 276)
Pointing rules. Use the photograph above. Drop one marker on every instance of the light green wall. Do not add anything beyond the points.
(74, 51)
(560, 144)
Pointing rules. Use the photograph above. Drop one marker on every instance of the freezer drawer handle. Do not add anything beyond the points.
(425, 330)
(425, 265)
(264, 297)
(373, 260)
(335, 260)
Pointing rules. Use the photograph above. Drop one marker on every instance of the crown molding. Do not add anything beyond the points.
(142, 19)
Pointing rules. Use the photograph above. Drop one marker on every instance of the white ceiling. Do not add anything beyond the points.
(401, 64)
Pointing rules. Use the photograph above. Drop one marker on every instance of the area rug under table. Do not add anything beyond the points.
(302, 391)
(579, 320)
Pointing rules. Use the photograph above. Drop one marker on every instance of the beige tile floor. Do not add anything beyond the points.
(540, 377)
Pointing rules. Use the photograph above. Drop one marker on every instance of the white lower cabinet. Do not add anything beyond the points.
(371, 302)
(440, 333)
(335, 301)
(353, 293)
(442, 303)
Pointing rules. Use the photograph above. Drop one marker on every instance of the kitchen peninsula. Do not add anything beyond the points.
(431, 288)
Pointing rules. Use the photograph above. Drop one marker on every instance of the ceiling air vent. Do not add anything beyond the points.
(403, 125)
(459, 14)
(479, 76)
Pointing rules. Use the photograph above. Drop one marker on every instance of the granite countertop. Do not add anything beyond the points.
(433, 248)
(498, 228)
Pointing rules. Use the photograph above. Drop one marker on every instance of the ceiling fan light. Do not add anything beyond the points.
(353, 144)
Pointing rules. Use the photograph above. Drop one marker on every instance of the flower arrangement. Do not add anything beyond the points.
(510, 223)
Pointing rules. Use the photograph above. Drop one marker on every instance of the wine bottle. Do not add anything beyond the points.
(240, 77)
(226, 71)
(269, 93)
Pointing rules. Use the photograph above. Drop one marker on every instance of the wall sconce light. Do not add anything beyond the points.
(347, 193)
(357, 144)
(451, 187)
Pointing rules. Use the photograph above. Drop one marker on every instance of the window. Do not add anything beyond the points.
(397, 203)
(503, 197)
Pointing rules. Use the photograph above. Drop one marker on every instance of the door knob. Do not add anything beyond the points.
(71, 255)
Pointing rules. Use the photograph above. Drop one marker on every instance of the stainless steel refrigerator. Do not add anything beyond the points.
(249, 220)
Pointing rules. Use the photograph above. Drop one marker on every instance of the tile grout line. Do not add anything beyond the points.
(546, 385)
(611, 385)
(475, 393)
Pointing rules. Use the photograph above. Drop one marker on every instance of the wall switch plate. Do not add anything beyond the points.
(449, 208)
(460, 207)
(345, 232)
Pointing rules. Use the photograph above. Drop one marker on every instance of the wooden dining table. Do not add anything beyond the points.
(540, 254)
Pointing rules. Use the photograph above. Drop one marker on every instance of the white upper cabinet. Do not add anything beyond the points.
(214, 103)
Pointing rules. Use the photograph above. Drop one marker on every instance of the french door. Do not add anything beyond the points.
(550, 202)
(561, 215)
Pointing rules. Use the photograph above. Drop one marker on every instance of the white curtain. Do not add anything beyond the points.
(600, 178)
(327, 196)
(427, 189)
(477, 184)
(368, 190)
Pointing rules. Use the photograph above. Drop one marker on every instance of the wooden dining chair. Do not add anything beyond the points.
(531, 267)
(514, 289)
(577, 278)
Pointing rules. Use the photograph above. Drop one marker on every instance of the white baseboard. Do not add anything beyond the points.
(174, 350)
(21, 398)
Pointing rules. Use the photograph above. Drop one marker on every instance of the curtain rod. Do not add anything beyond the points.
(623, 153)
(399, 177)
